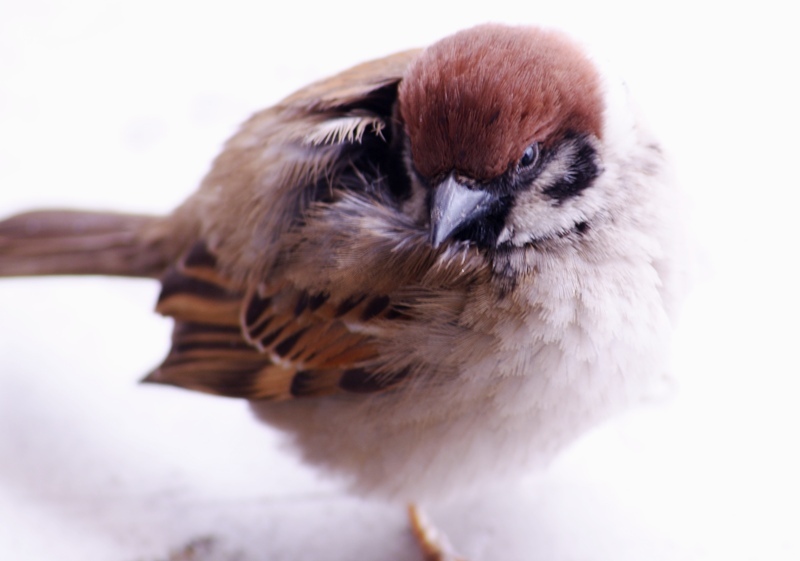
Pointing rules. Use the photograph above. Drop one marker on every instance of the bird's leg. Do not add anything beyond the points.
(434, 544)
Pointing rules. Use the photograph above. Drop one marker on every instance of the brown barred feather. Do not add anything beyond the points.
(272, 342)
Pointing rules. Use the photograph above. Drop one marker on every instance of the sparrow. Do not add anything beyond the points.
(432, 268)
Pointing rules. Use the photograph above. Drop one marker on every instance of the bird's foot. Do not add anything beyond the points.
(434, 544)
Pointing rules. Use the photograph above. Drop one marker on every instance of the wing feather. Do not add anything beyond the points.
(272, 342)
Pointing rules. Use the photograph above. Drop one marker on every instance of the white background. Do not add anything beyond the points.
(122, 105)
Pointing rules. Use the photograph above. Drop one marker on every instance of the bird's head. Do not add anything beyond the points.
(503, 127)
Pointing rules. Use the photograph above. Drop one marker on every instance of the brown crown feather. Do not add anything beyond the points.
(474, 101)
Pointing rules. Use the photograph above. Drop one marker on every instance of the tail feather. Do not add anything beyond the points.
(65, 242)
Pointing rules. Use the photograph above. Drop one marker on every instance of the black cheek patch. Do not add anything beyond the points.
(484, 230)
(582, 172)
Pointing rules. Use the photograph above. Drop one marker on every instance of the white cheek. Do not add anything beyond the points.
(536, 216)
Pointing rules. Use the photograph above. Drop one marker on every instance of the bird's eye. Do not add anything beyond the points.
(530, 156)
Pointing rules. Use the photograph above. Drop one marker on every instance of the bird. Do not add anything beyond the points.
(430, 269)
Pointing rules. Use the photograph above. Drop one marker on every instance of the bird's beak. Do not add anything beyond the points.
(454, 206)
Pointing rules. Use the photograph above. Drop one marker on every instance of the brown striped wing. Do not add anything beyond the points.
(274, 341)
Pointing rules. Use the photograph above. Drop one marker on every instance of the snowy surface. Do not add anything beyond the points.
(122, 105)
